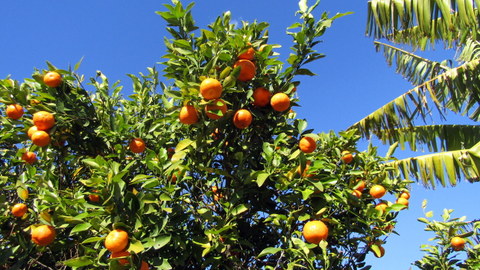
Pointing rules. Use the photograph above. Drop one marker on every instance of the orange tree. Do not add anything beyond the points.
(456, 243)
(191, 174)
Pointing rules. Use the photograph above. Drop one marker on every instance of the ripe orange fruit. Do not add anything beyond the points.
(210, 88)
(43, 235)
(382, 207)
(144, 266)
(247, 69)
(212, 109)
(137, 145)
(188, 115)
(315, 231)
(382, 252)
(458, 243)
(31, 130)
(214, 189)
(307, 145)
(40, 138)
(121, 254)
(377, 191)
(29, 157)
(402, 201)
(52, 79)
(360, 186)
(347, 157)
(94, 197)
(261, 97)
(405, 195)
(116, 240)
(19, 209)
(280, 102)
(217, 197)
(242, 119)
(357, 193)
(14, 111)
(248, 54)
(43, 120)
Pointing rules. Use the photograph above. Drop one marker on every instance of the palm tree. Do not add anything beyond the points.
(401, 28)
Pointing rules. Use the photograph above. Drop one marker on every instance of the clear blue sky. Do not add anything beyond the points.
(120, 37)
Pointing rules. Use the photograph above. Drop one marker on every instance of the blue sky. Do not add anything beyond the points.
(120, 37)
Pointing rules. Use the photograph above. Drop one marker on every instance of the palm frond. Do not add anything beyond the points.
(435, 137)
(470, 51)
(445, 168)
(414, 68)
(457, 90)
(419, 23)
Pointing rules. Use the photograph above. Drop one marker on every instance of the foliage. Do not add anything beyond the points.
(442, 255)
(400, 27)
(206, 195)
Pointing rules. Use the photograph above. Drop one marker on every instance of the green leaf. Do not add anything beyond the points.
(207, 250)
(162, 241)
(269, 250)
(304, 71)
(295, 154)
(77, 65)
(183, 144)
(302, 5)
(397, 207)
(306, 193)
(135, 246)
(391, 150)
(140, 178)
(92, 239)
(424, 204)
(79, 261)
(424, 220)
(80, 228)
(261, 177)
(239, 209)
(178, 156)
(92, 163)
(318, 185)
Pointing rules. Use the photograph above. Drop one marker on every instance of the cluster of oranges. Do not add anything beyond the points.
(38, 133)
(117, 242)
(211, 90)
(42, 120)
(41, 235)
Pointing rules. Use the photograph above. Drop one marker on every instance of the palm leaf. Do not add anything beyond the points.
(457, 90)
(445, 168)
(470, 51)
(419, 23)
(435, 137)
(414, 68)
